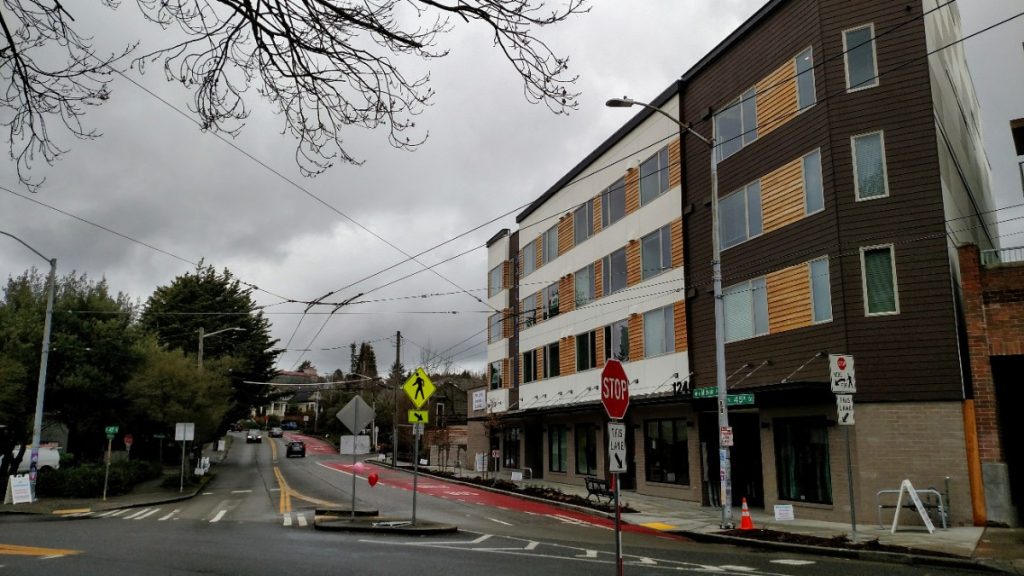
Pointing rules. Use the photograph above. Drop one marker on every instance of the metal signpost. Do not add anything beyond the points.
(184, 432)
(111, 432)
(844, 385)
(355, 416)
(615, 398)
(419, 388)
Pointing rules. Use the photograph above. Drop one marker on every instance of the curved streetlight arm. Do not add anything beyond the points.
(22, 242)
(203, 336)
(625, 102)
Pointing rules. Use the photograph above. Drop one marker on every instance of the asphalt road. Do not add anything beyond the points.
(256, 518)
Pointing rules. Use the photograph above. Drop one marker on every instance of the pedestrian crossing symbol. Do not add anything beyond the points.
(419, 387)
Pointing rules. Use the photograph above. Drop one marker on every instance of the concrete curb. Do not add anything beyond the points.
(869, 555)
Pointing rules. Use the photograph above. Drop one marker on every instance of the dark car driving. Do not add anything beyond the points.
(253, 436)
(296, 448)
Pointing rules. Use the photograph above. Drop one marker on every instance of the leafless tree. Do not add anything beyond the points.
(322, 64)
(436, 362)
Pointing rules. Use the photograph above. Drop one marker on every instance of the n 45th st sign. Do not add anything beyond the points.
(614, 390)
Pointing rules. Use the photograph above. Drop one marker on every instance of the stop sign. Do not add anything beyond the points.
(614, 390)
(128, 440)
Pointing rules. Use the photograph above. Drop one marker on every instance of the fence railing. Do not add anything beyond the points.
(1002, 256)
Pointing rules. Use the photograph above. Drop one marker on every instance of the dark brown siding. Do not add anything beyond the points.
(912, 355)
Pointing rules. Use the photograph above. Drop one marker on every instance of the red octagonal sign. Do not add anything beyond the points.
(614, 390)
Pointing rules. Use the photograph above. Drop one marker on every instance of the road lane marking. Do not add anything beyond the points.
(241, 491)
(287, 519)
(532, 545)
(139, 513)
(168, 516)
(588, 554)
(15, 550)
(658, 526)
(72, 511)
(738, 568)
(789, 562)
(118, 512)
(302, 519)
(498, 521)
(148, 514)
(218, 516)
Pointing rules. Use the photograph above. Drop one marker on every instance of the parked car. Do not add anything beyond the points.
(253, 436)
(276, 432)
(49, 457)
(235, 427)
(290, 425)
(296, 448)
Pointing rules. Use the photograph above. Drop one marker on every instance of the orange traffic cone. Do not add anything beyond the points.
(745, 522)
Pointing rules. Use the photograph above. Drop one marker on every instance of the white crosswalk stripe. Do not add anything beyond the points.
(302, 519)
(136, 514)
(169, 516)
(147, 514)
(287, 519)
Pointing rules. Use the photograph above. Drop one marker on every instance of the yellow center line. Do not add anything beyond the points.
(13, 550)
(72, 511)
(273, 450)
(285, 499)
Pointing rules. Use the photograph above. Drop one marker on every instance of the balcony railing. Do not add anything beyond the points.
(1002, 256)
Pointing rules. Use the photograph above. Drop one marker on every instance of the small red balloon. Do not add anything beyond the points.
(372, 479)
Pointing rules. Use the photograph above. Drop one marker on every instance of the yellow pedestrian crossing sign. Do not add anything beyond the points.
(419, 387)
(419, 416)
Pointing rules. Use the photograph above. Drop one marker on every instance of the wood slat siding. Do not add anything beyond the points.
(539, 310)
(539, 244)
(566, 295)
(776, 98)
(789, 298)
(674, 172)
(597, 214)
(520, 264)
(567, 355)
(679, 323)
(632, 190)
(565, 237)
(600, 346)
(540, 363)
(676, 232)
(633, 272)
(782, 195)
(636, 337)
(507, 323)
(506, 274)
(506, 373)
(598, 279)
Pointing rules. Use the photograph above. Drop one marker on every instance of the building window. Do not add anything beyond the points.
(495, 374)
(1017, 131)
(814, 193)
(746, 310)
(510, 447)
(879, 276)
(558, 444)
(656, 252)
(666, 454)
(495, 280)
(583, 222)
(736, 126)
(584, 285)
(549, 298)
(529, 263)
(659, 332)
(801, 460)
(654, 176)
(613, 203)
(859, 47)
(528, 310)
(740, 215)
(869, 177)
(494, 328)
(549, 245)
(616, 341)
(613, 273)
(552, 367)
(805, 95)
(529, 366)
(821, 291)
(586, 449)
(586, 351)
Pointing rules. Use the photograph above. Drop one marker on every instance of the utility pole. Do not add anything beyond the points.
(394, 388)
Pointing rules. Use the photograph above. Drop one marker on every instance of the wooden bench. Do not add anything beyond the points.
(598, 487)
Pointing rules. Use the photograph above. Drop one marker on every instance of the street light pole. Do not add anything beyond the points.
(203, 335)
(716, 278)
(37, 423)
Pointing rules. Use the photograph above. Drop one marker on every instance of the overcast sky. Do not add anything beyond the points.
(155, 177)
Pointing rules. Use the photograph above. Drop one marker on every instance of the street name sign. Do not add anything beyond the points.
(419, 388)
(111, 432)
(731, 399)
(844, 409)
(616, 447)
(841, 373)
(614, 389)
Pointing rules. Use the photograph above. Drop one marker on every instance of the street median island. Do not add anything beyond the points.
(337, 520)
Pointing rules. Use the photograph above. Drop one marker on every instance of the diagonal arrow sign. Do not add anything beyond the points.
(618, 460)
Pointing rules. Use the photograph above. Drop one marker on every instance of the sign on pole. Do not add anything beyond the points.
(614, 389)
(184, 431)
(356, 414)
(419, 416)
(616, 447)
(111, 432)
(726, 437)
(418, 387)
(844, 409)
(841, 374)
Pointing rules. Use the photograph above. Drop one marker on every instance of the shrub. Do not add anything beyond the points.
(86, 481)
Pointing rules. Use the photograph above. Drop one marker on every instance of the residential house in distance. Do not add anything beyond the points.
(849, 173)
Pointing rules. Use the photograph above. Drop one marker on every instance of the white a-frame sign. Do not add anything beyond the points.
(907, 487)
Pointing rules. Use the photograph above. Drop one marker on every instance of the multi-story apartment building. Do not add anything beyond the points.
(849, 170)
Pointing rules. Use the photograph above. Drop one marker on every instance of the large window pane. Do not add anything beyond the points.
(495, 369)
(583, 222)
(749, 106)
(528, 310)
(552, 366)
(659, 332)
(869, 165)
(802, 460)
(754, 209)
(557, 448)
(656, 252)
(805, 95)
(494, 328)
(616, 341)
(530, 366)
(860, 58)
(613, 203)
(550, 300)
(879, 281)
(586, 351)
(613, 277)
(510, 447)
(746, 310)
(759, 295)
(821, 290)
(733, 219)
(814, 194)
(550, 244)
(495, 280)
(654, 176)
(529, 263)
(584, 285)
(729, 131)
(666, 453)
(586, 449)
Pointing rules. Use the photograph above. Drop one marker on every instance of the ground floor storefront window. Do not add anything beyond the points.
(558, 447)
(586, 449)
(802, 460)
(511, 447)
(665, 451)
